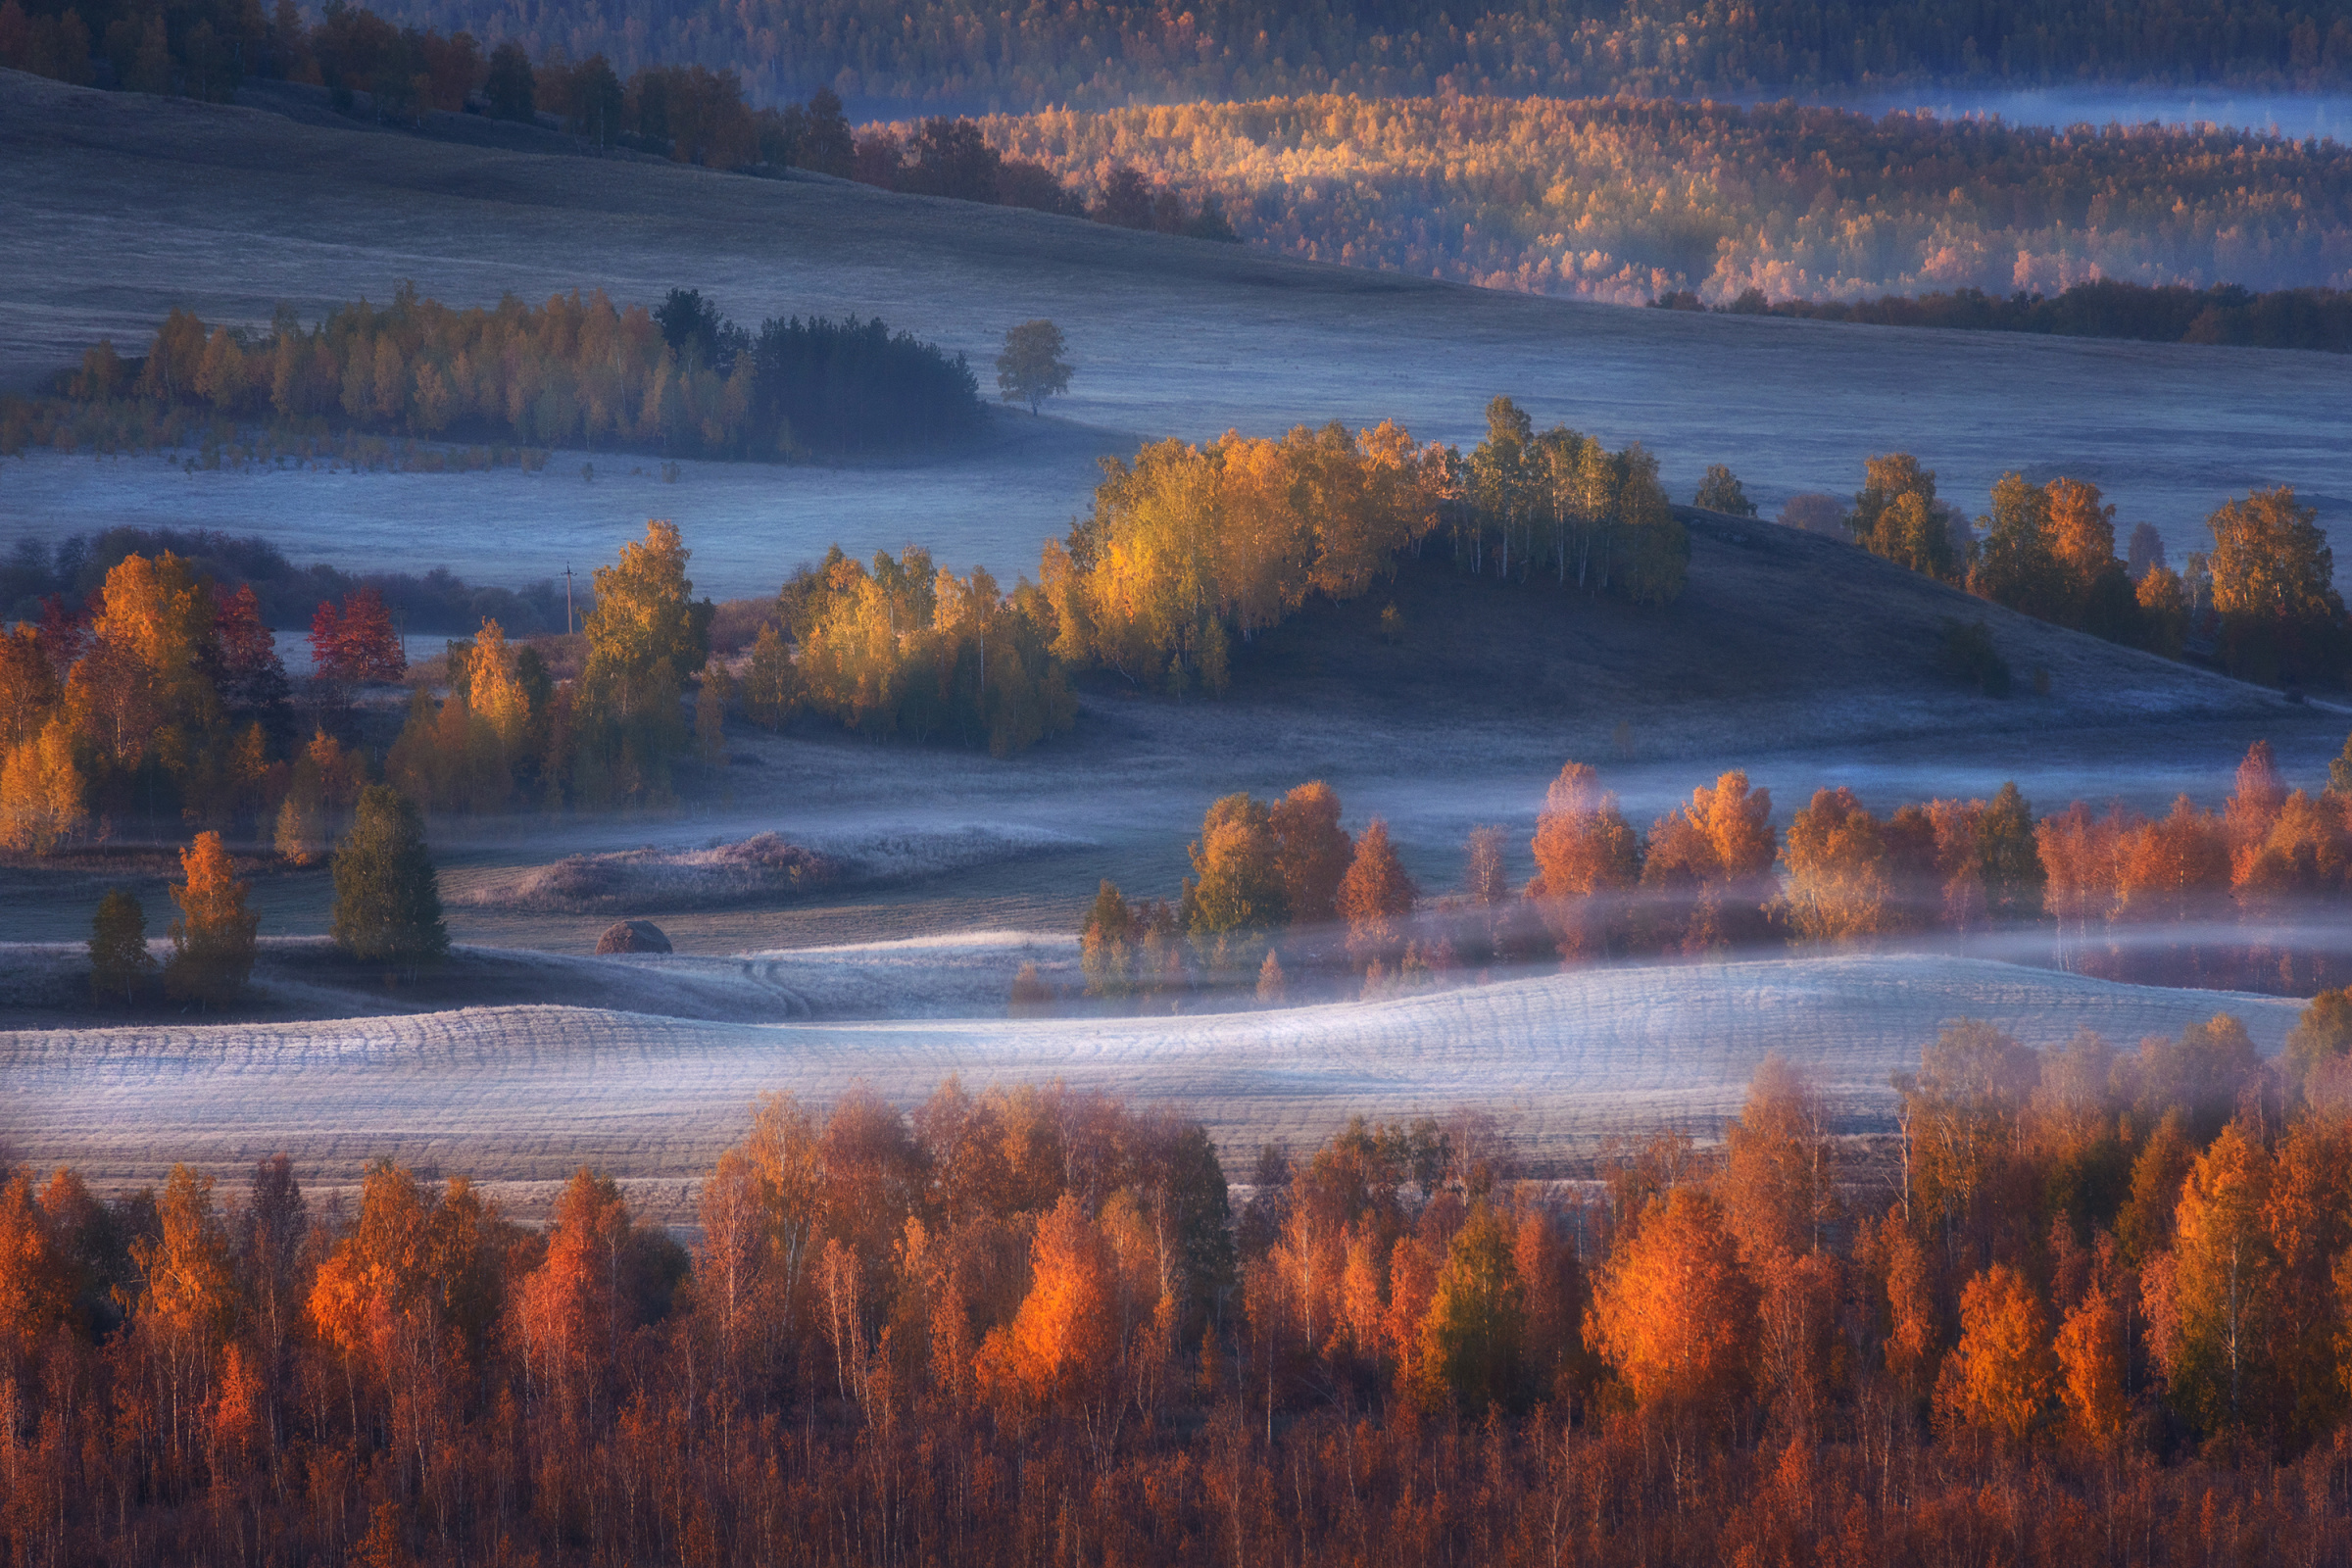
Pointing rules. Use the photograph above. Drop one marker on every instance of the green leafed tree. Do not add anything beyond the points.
(387, 895)
(1032, 368)
(1719, 490)
(120, 961)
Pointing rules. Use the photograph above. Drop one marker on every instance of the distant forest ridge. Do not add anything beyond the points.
(964, 55)
(1625, 201)
(2317, 319)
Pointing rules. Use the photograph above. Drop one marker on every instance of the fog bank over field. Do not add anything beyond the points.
(143, 204)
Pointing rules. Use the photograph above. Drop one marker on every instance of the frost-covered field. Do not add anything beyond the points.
(525, 1094)
(763, 867)
(142, 205)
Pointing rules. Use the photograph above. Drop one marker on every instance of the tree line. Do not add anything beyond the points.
(2262, 603)
(1190, 546)
(1281, 895)
(73, 566)
(689, 112)
(576, 370)
(2166, 313)
(164, 701)
(1109, 55)
(1630, 201)
(1501, 177)
(2096, 1299)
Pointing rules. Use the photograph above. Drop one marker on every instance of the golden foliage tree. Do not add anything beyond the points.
(1375, 897)
(1675, 1315)
(2210, 1303)
(2000, 1374)
(212, 942)
(1839, 883)
(1589, 860)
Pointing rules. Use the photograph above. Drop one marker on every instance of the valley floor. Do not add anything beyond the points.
(520, 1095)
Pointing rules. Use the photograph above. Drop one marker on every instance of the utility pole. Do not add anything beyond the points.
(567, 599)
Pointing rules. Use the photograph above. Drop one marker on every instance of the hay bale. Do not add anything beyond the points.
(632, 936)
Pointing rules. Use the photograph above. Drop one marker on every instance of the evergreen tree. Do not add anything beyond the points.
(387, 895)
(119, 956)
(2008, 858)
(512, 88)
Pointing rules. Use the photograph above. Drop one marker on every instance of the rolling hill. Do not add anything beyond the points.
(143, 204)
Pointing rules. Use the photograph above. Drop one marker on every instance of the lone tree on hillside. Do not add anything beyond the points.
(387, 895)
(213, 940)
(1719, 490)
(118, 958)
(1032, 368)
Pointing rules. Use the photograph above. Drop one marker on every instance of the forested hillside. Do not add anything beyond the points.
(1622, 201)
(964, 55)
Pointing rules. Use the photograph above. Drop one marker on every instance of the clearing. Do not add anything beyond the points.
(520, 1096)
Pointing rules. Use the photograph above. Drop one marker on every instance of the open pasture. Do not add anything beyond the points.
(523, 1094)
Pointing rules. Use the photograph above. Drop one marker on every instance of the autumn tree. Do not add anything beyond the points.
(1959, 1123)
(388, 894)
(212, 942)
(1105, 944)
(1375, 897)
(1238, 896)
(1778, 1201)
(1311, 853)
(645, 612)
(1675, 1315)
(35, 1275)
(2000, 1373)
(1708, 868)
(2093, 1353)
(44, 788)
(1779, 1188)
(2321, 1035)
(1062, 1350)
(1839, 883)
(1587, 861)
(355, 639)
(2144, 1224)
(2274, 581)
(2210, 1300)
(188, 1299)
(1896, 515)
(2164, 612)
(2307, 1222)
(575, 1307)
